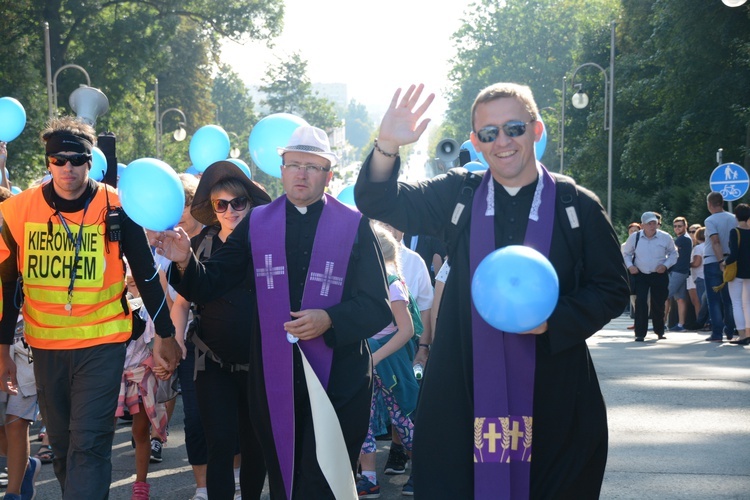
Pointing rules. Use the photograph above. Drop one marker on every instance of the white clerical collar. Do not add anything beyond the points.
(302, 210)
(535, 204)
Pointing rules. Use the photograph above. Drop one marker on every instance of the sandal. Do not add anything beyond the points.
(45, 454)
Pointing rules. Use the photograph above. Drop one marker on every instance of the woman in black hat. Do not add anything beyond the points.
(220, 333)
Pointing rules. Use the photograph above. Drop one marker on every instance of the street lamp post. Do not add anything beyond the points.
(234, 152)
(580, 100)
(52, 80)
(179, 133)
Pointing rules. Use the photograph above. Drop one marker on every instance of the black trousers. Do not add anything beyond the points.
(658, 285)
(224, 412)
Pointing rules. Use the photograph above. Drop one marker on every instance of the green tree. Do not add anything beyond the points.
(288, 89)
(123, 45)
(359, 126)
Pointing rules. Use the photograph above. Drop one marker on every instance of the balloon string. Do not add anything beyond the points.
(164, 300)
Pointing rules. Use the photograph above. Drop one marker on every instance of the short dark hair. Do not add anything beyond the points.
(5, 193)
(715, 199)
(742, 212)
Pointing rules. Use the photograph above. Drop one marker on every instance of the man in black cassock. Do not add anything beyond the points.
(363, 311)
(569, 416)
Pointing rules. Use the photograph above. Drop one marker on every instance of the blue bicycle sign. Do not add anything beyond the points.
(731, 180)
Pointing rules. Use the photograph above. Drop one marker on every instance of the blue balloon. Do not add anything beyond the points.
(151, 194)
(12, 119)
(346, 196)
(468, 146)
(270, 133)
(475, 166)
(98, 164)
(515, 289)
(15, 189)
(120, 168)
(192, 170)
(480, 159)
(209, 144)
(541, 145)
(243, 166)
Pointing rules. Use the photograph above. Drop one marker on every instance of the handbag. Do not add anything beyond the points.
(730, 270)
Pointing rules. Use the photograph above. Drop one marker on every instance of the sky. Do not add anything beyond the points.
(373, 47)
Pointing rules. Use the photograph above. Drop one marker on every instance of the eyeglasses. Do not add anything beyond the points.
(76, 160)
(309, 168)
(238, 204)
(513, 128)
(692, 231)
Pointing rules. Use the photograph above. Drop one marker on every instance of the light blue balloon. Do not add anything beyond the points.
(15, 189)
(346, 196)
(98, 164)
(468, 146)
(515, 289)
(151, 194)
(475, 166)
(270, 133)
(541, 145)
(480, 159)
(209, 144)
(192, 170)
(120, 168)
(12, 119)
(243, 166)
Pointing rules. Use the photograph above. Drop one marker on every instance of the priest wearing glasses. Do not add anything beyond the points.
(321, 291)
(504, 415)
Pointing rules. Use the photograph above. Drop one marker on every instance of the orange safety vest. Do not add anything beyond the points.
(94, 314)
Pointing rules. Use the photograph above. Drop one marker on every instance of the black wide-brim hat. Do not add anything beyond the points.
(201, 209)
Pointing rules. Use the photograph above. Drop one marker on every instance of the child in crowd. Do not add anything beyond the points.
(394, 382)
(17, 412)
(138, 391)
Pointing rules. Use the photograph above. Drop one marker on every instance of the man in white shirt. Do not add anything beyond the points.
(648, 254)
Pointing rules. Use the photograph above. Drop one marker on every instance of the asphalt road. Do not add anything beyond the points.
(679, 421)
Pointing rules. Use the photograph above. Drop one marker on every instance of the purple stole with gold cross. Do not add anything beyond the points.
(504, 363)
(334, 237)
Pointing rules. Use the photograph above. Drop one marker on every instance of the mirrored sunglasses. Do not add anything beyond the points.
(238, 204)
(76, 160)
(513, 128)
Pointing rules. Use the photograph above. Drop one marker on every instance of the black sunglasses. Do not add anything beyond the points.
(76, 160)
(238, 204)
(513, 128)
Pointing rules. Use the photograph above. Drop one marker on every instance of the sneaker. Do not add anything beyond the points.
(28, 486)
(140, 491)
(408, 489)
(678, 328)
(397, 458)
(156, 447)
(199, 496)
(365, 489)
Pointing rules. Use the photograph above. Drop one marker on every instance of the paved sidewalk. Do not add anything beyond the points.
(679, 421)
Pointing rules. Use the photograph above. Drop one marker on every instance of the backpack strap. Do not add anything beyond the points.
(460, 216)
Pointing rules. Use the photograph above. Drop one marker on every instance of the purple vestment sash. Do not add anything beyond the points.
(334, 237)
(504, 363)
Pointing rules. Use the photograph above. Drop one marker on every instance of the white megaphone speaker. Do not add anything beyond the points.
(88, 103)
(447, 150)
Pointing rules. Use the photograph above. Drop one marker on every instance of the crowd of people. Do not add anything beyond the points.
(691, 271)
(296, 329)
